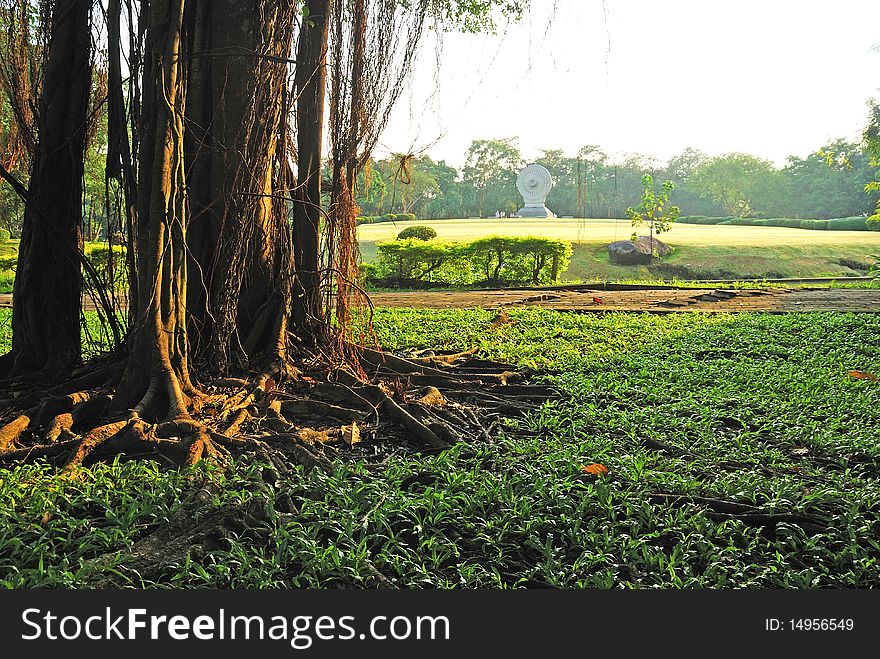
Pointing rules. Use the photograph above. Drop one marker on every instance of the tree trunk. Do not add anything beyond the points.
(237, 170)
(119, 163)
(46, 294)
(311, 86)
(156, 383)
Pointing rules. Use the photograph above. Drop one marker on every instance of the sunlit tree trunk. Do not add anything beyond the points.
(311, 86)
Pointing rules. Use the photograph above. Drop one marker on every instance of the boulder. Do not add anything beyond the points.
(660, 249)
(627, 252)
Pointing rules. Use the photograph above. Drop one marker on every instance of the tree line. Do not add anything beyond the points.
(828, 183)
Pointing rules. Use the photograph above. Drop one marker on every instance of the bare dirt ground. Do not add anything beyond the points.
(778, 300)
(582, 299)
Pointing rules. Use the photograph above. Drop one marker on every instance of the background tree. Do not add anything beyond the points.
(871, 138)
(491, 168)
(679, 170)
(563, 197)
(733, 180)
(822, 184)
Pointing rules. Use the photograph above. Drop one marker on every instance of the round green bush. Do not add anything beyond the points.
(418, 231)
(4, 235)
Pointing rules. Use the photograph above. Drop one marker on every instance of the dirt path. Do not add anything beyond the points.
(657, 301)
(777, 300)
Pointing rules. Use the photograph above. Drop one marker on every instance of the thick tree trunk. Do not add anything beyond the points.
(46, 294)
(156, 382)
(311, 86)
(236, 157)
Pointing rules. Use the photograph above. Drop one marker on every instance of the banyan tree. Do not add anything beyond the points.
(235, 133)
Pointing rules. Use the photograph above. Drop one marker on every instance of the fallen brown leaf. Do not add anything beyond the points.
(351, 434)
(864, 375)
(595, 469)
(503, 318)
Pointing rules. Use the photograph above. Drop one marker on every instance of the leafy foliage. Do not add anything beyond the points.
(654, 209)
(418, 231)
(753, 409)
(872, 144)
(494, 259)
(510, 259)
(413, 260)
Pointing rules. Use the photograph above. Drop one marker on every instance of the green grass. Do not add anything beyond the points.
(701, 252)
(756, 409)
(8, 249)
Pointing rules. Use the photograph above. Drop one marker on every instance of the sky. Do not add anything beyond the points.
(768, 77)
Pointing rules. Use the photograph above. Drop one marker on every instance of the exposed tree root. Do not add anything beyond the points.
(429, 402)
(10, 433)
(720, 510)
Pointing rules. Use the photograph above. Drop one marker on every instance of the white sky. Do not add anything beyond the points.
(766, 77)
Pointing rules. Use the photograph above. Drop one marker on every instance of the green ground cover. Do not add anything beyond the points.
(685, 411)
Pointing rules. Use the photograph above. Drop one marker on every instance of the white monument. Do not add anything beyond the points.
(534, 184)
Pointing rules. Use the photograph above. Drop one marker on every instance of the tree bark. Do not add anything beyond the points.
(236, 159)
(119, 163)
(156, 382)
(311, 86)
(46, 293)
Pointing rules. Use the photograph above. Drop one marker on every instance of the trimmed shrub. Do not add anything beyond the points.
(495, 259)
(528, 259)
(99, 258)
(836, 224)
(849, 224)
(546, 259)
(419, 232)
(4, 235)
(412, 260)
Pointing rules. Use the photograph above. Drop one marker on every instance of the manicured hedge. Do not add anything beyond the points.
(98, 257)
(491, 260)
(418, 231)
(388, 217)
(837, 224)
(4, 235)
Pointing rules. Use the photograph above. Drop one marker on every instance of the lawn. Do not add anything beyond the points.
(740, 453)
(8, 250)
(701, 252)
